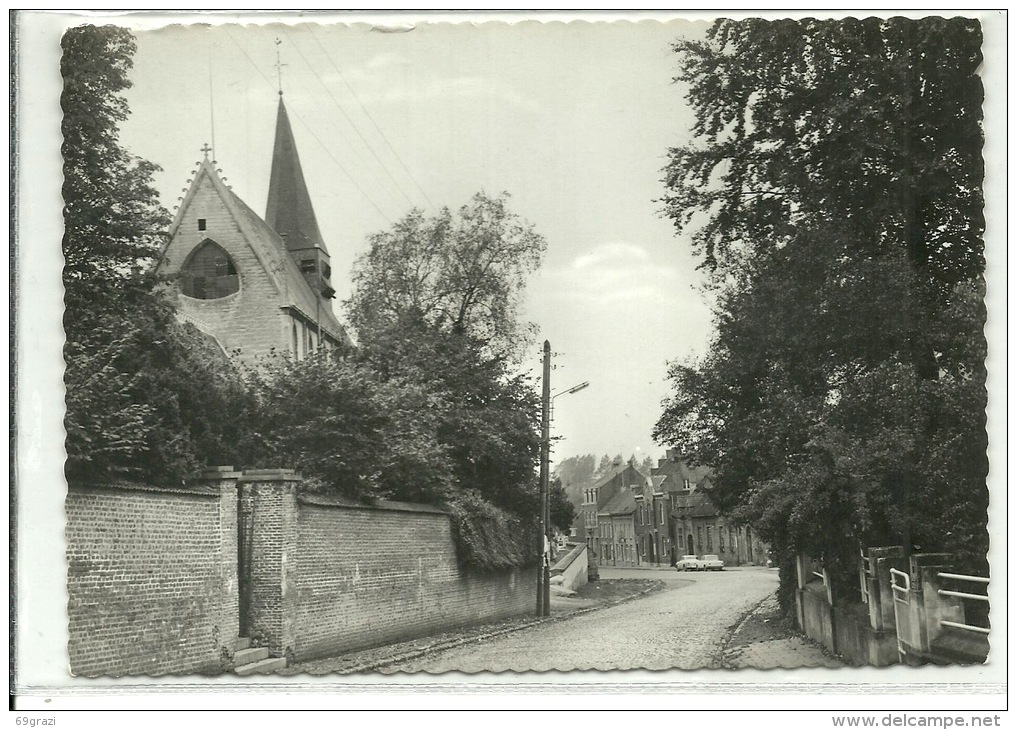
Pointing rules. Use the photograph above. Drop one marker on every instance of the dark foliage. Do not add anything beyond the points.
(834, 193)
(146, 396)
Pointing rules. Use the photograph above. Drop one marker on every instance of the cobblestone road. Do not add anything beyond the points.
(684, 626)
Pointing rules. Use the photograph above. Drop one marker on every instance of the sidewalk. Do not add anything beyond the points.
(763, 641)
(591, 597)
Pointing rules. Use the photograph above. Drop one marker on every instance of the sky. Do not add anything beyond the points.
(573, 120)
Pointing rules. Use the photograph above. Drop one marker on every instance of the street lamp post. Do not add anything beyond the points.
(546, 402)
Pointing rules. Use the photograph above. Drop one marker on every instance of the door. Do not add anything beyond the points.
(691, 546)
(245, 530)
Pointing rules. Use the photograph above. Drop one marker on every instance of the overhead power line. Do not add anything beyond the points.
(309, 130)
(371, 118)
(353, 124)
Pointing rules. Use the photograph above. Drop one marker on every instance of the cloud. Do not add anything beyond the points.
(610, 254)
(614, 273)
(388, 78)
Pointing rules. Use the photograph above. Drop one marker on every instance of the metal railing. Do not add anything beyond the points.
(977, 579)
(900, 589)
(864, 571)
(900, 598)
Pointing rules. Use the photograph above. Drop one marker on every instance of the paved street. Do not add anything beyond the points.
(684, 626)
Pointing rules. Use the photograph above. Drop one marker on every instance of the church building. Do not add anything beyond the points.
(256, 285)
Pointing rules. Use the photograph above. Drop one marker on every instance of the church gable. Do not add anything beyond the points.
(235, 280)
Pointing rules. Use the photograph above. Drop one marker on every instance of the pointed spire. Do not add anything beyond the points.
(289, 211)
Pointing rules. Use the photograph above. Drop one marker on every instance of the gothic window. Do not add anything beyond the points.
(209, 273)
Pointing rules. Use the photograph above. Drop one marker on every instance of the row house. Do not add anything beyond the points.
(653, 522)
(628, 520)
(696, 525)
(619, 479)
(617, 535)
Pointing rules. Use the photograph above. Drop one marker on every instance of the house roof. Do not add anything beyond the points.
(623, 503)
(696, 504)
(677, 468)
(617, 469)
(289, 211)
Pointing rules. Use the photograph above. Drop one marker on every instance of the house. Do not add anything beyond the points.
(616, 531)
(653, 522)
(621, 476)
(256, 285)
(697, 526)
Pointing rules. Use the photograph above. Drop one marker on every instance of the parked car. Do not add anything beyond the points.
(712, 562)
(689, 562)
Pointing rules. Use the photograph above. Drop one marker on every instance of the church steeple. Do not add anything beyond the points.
(289, 211)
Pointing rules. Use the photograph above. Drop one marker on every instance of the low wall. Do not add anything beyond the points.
(573, 568)
(858, 642)
(151, 579)
(817, 614)
(373, 575)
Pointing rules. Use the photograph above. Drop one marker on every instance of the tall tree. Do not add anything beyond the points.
(833, 192)
(462, 273)
(435, 305)
(145, 396)
(576, 473)
(562, 510)
(113, 222)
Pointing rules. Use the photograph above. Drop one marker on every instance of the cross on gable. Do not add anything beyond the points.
(206, 149)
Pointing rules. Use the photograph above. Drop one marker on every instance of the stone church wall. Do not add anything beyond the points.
(251, 319)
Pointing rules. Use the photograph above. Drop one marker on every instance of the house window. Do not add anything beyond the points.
(209, 273)
(201, 224)
(709, 537)
(308, 266)
(699, 534)
(720, 537)
(326, 271)
(661, 505)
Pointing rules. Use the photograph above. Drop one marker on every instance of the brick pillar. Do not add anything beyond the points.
(268, 508)
(224, 478)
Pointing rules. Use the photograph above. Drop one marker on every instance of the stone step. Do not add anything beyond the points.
(265, 666)
(242, 643)
(249, 656)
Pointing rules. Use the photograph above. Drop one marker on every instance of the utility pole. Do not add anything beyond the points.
(543, 567)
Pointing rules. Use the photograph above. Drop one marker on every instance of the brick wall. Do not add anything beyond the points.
(154, 588)
(371, 576)
(151, 579)
(269, 514)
